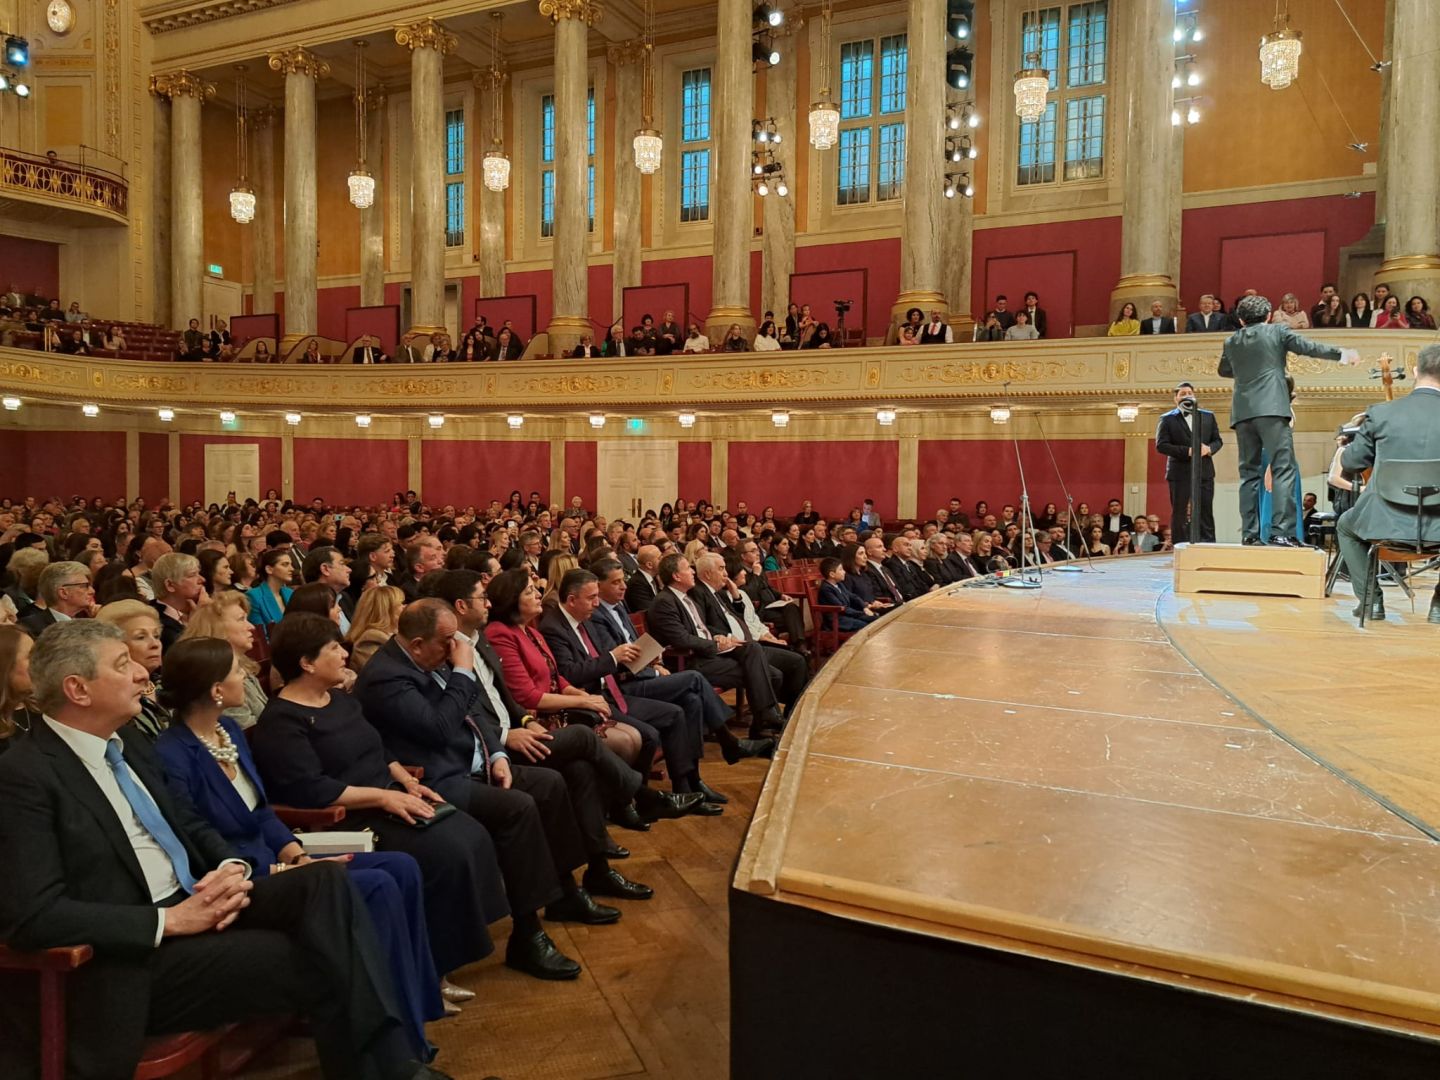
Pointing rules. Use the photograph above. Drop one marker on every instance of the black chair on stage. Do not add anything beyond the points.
(1404, 484)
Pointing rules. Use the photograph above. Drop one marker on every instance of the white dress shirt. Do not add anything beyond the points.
(737, 629)
(486, 678)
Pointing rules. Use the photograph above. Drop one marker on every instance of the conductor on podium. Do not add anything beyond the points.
(1254, 356)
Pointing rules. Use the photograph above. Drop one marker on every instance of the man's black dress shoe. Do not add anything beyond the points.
(614, 883)
(1434, 611)
(627, 817)
(1377, 610)
(747, 748)
(537, 955)
(579, 907)
(711, 795)
(1253, 541)
(707, 809)
(665, 805)
(1286, 541)
(615, 851)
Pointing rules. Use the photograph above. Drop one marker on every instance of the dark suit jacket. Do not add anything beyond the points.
(421, 723)
(255, 835)
(1255, 357)
(1167, 324)
(576, 665)
(639, 593)
(871, 586)
(958, 567)
(37, 619)
(1038, 320)
(906, 581)
(1406, 429)
(1217, 322)
(1172, 438)
(941, 571)
(371, 355)
(669, 623)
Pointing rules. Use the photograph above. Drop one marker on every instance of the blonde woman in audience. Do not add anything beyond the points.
(227, 617)
(140, 623)
(1126, 324)
(377, 616)
(557, 568)
(242, 570)
(1291, 313)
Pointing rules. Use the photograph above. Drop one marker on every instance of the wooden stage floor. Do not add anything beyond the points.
(1238, 795)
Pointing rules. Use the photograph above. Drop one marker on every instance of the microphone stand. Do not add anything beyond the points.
(1067, 567)
(1188, 407)
(1027, 522)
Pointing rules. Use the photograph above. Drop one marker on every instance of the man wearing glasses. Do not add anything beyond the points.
(65, 594)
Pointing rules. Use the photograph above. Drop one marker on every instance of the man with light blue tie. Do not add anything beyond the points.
(98, 852)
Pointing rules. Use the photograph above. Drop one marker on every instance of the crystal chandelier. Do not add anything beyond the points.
(242, 195)
(824, 113)
(648, 143)
(360, 182)
(1032, 87)
(1280, 51)
(495, 166)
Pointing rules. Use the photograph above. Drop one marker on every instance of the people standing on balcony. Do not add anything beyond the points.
(1022, 330)
(765, 339)
(1417, 314)
(1290, 314)
(1037, 314)
(804, 328)
(936, 331)
(1390, 317)
(1003, 314)
(1361, 313)
(1158, 322)
(193, 337)
(1126, 323)
(668, 337)
(790, 333)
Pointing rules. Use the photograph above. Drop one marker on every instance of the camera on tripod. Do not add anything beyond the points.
(842, 306)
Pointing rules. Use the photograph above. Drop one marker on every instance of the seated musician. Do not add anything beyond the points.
(1407, 429)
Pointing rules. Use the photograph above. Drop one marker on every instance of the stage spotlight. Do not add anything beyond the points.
(959, 18)
(17, 52)
(769, 16)
(763, 53)
(958, 65)
(22, 89)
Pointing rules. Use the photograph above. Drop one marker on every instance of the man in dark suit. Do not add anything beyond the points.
(1173, 439)
(97, 851)
(327, 565)
(642, 586)
(611, 624)
(1407, 429)
(1260, 412)
(65, 593)
(937, 550)
(788, 617)
(1158, 322)
(572, 632)
(900, 568)
(958, 560)
(1037, 313)
(368, 352)
(422, 691)
(724, 611)
(677, 622)
(877, 582)
(409, 352)
(1208, 320)
(1116, 521)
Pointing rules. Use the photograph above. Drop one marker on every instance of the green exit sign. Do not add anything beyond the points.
(217, 269)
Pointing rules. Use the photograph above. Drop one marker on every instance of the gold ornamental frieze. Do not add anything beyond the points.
(414, 387)
(43, 374)
(768, 379)
(149, 384)
(994, 372)
(587, 11)
(263, 386)
(575, 385)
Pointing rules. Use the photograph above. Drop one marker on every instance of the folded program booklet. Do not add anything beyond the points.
(650, 651)
(320, 844)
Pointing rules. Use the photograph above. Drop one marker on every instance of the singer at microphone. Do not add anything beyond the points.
(1173, 439)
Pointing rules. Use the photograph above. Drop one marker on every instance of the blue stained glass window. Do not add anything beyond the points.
(547, 128)
(455, 214)
(894, 55)
(891, 179)
(1041, 34)
(695, 185)
(853, 166)
(1085, 43)
(454, 141)
(695, 105)
(857, 69)
(1037, 149)
(547, 203)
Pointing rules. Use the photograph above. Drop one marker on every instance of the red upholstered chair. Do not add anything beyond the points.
(826, 637)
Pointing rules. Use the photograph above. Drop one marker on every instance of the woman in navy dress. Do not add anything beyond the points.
(833, 590)
(207, 761)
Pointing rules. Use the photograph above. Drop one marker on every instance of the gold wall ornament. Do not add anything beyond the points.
(1121, 368)
(196, 15)
(587, 10)
(262, 386)
(47, 374)
(158, 384)
(427, 34)
(626, 52)
(299, 61)
(580, 384)
(415, 387)
(175, 84)
(768, 379)
(261, 118)
(993, 372)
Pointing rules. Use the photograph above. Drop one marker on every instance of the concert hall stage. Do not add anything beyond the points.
(1100, 829)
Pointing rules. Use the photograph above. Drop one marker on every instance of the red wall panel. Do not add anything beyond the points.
(835, 475)
(1096, 247)
(1051, 277)
(693, 474)
(580, 475)
(695, 271)
(351, 471)
(465, 471)
(192, 463)
(1206, 230)
(1158, 497)
(154, 466)
(33, 266)
(597, 281)
(61, 464)
(330, 307)
(881, 258)
(1273, 264)
(975, 469)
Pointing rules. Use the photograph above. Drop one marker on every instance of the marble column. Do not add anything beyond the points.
(732, 214)
(921, 280)
(628, 61)
(569, 288)
(302, 232)
(490, 256)
(187, 192)
(1387, 137)
(262, 140)
(1150, 160)
(1412, 229)
(160, 207)
(372, 219)
(778, 240)
(429, 43)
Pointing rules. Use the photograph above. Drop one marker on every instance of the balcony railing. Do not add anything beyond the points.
(79, 182)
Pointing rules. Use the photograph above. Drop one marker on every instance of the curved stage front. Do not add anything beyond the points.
(1099, 829)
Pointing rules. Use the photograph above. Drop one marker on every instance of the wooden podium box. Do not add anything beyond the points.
(1251, 571)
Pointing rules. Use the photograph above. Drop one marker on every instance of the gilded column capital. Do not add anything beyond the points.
(491, 78)
(299, 61)
(623, 53)
(587, 10)
(426, 34)
(262, 117)
(182, 84)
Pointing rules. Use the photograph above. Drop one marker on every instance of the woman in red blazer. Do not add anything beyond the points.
(531, 674)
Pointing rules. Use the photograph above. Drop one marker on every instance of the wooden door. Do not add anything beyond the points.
(632, 477)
